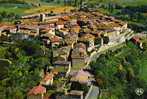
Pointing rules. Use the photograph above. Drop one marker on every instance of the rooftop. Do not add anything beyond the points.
(48, 76)
(81, 76)
(37, 90)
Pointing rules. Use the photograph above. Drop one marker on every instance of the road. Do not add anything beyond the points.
(93, 93)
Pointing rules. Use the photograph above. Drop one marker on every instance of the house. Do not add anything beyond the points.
(59, 25)
(12, 29)
(47, 30)
(36, 92)
(89, 39)
(46, 35)
(112, 36)
(76, 28)
(86, 37)
(43, 31)
(19, 36)
(79, 56)
(83, 77)
(55, 40)
(73, 22)
(61, 54)
(76, 93)
(7, 29)
(52, 31)
(32, 30)
(71, 38)
(64, 31)
(64, 18)
(63, 66)
(73, 94)
(47, 79)
(137, 40)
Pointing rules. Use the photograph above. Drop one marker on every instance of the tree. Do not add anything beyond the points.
(106, 40)
(130, 74)
(121, 73)
(75, 2)
(4, 14)
(24, 71)
(81, 2)
(121, 80)
(100, 81)
(145, 46)
(1, 18)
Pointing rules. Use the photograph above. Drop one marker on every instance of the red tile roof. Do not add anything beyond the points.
(48, 77)
(37, 90)
(55, 39)
(65, 18)
(60, 23)
(136, 39)
(7, 27)
(29, 27)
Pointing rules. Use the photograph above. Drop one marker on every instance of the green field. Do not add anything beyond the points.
(12, 10)
(29, 9)
(20, 6)
(121, 2)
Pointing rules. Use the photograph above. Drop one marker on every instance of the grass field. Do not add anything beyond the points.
(12, 10)
(32, 10)
(56, 9)
(121, 2)
(27, 7)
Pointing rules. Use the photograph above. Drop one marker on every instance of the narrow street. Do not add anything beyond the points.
(93, 93)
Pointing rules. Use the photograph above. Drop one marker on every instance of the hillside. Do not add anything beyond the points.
(19, 1)
(21, 7)
(121, 2)
(121, 72)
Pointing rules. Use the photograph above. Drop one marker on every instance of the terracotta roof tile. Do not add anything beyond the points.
(48, 77)
(55, 39)
(37, 90)
(136, 39)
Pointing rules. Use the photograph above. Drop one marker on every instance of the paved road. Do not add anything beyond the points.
(93, 93)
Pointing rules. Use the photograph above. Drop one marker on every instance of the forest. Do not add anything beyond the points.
(120, 72)
(21, 68)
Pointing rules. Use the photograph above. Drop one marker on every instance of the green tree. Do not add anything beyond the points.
(24, 72)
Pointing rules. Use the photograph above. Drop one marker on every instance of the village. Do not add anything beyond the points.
(74, 38)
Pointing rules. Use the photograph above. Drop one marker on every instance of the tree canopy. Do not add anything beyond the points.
(121, 72)
(23, 73)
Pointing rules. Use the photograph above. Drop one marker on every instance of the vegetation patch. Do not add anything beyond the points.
(119, 73)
